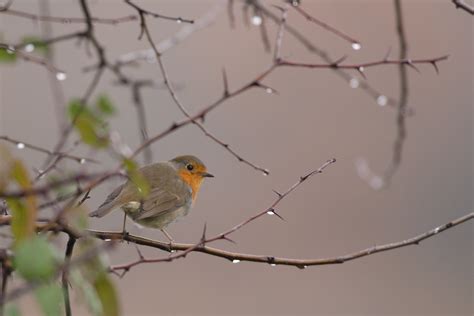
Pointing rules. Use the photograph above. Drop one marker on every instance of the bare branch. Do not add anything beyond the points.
(301, 263)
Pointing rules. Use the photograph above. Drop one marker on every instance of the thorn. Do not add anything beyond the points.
(435, 67)
(228, 239)
(278, 215)
(337, 62)
(139, 252)
(277, 193)
(361, 73)
(226, 83)
(410, 63)
(388, 53)
(203, 237)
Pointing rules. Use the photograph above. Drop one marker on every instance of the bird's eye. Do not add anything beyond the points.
(189, 167)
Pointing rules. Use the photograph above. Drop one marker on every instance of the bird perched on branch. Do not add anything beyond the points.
(174, 186)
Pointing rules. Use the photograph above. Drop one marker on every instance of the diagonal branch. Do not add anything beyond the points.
(145, 30)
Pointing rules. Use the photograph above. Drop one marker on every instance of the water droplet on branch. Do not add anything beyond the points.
(382, 100)
(356, 46)
(61, 76)
(257, 20)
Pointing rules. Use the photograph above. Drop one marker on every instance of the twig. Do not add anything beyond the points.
(281, 31)
(32, 58)
(142, 125)
(22, 144)
(69, 20)
(46, 188)
(403, 98)
(142, 12)
(324, 25)
(461, 4)
(67, 258)
(164, 45)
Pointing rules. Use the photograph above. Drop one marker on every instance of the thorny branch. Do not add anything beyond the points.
(22, 144)
(236, 257)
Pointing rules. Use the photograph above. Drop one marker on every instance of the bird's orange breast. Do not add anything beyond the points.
(194, 181)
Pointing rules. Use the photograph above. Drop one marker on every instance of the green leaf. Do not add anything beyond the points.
(11, 310)
(137, 177)
(7, 56)
(50, 298)
(97, 288)
(105, 106)
(107, 295)
(23, 210)
(89, 126)
(86, 291)
(39, 45)
(35, 259)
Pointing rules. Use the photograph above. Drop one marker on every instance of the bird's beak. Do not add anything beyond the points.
(206, 175)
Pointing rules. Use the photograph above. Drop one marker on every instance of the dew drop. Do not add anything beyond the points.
(266, 172)
(356, 46)
(361, 69)
(354, 83)
(273, 264)
(108, 239)
(29, 48)
(436, 230)
(82, 161)
(172, 251)
(270, 213)
(382, 100)
(257, 20)
(269, 90)
(20, 145)
(235, 261)
(295, 3)
(179, 20)
(61, 76)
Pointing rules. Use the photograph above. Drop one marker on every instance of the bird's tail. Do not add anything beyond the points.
(111, 202)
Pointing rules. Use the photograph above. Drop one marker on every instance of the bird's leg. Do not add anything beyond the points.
(124, 232)
(170, 239)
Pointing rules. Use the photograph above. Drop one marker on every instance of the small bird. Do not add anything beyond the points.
(174, 186)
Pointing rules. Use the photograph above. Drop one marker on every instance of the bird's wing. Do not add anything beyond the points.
(160, 201)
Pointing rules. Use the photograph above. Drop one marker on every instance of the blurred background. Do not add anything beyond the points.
(315, 116)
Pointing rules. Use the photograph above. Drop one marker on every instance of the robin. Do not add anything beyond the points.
(174, 186)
